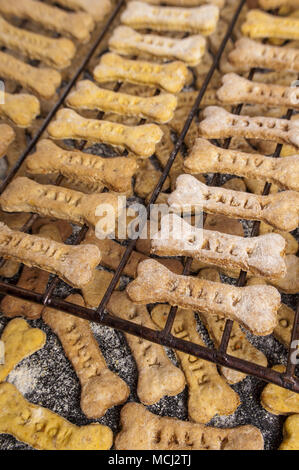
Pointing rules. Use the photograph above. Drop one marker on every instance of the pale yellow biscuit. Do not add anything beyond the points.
(141, 140)
(21, 108)
(45, 430)
(20, 341)
(259, 24)
(7, 136)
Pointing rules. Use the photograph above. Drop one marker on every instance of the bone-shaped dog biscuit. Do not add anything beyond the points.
(163, 433)
(7, 136)
(208, 392)
(155, 283)
(290, 433)
(25, 195)
(140, 15)
(114, 173)
(96, 9)
(248, 53)
(290, 282)
(101, 388)
(54, 52)
(236, 89)
(273, 4)
(125, 40)
(278, 400)
(280, 210)
(260, 256)
(208, 158)
(140, 140)
(20, 341)
(44, 81)
(156, 108)
(259, 24)
(21, 108)
(78, 25)
(219, 123)
(169, 77)
(157, 376)
(74, 264)
(45, 430)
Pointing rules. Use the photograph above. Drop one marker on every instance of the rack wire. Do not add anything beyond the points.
(100, 315)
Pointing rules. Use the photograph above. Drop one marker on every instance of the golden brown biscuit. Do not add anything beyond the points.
(22, 109)
(272, 4)
(42, 81)
(187, 3)
(163, 433)
(25, 195)
(74, 264)
(54, 52)
(290, 434)
(289, 284)
(157, 376)
(20, 341)
(169, 77)
(259, 24)
(125, 40)
(140, 15)
(218, 123)
(278, 400)
(7, 136)
(292, 245)
(112, 253)
(78, 25)
(45, 430)
(208, 393)
(280, 210)
(236, 89)
(249, 53)
(141, 140)
(101, 388)
(155, 108)
(208, 158)
(94, 291)
(155, 283)
(90, 170)
(283, 330)
(261, 256)
(98, 10)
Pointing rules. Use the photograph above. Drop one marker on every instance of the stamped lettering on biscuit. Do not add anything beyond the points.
(208, 392)
(78, 25)
(208, 158)
(92, 170)
(74, 264)
(44, 430)
(61, 203)
(155, 283)
(54, 52)
(219, 123)
(249, 53)
(236, 89)
(157, 376)
(169, 77)
(141, 140)
(155, 108)
(125, 40)
(19, 341)
(100, 388)
(140, 15)
(163, 433)
(280, 210)
(262, 256)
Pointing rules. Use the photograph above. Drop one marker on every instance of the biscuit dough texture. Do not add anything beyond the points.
(7, 136)
(259, 24)
(44, 430)
(21, 108)
(155, 283)
(100, 388)
(163, 433)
